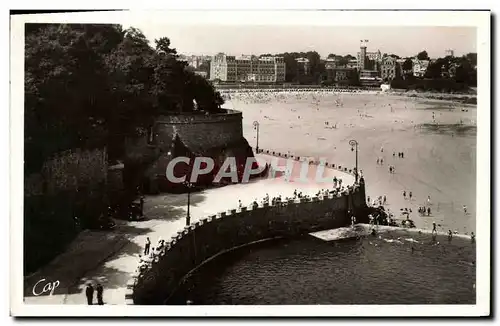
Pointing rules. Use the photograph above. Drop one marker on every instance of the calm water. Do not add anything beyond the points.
(368, 270)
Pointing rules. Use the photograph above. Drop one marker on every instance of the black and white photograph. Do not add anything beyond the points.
(213, 163)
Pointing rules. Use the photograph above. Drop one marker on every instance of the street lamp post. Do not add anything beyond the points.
(354, 145)
(256, 127)
(189, 185)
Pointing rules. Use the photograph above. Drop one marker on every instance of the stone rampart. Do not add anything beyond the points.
(159, 275)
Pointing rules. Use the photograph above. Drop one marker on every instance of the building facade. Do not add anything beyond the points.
(303, 67)
(389, 68)
(247, 68)
(370, 78)
(364, 57)
(419, 67)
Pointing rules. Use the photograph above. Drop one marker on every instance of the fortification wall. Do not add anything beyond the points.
(161, 273)
(200, 130)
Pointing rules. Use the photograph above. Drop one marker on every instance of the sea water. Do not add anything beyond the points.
(392, 267)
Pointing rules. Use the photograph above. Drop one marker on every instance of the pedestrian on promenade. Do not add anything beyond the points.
(99, 290)
(147, 246)
(89, 293)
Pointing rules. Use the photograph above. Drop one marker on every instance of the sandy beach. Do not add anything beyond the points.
(439, 154)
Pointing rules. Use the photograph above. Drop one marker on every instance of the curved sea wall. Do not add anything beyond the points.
(159, 274)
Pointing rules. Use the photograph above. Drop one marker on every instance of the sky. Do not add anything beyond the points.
(251, 39)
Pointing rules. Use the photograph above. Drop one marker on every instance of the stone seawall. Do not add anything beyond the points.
(161, 273)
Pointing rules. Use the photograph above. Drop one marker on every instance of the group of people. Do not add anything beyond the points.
(400, 154)
(379, 201)
(410, 195)
(89, 293)
(422, 210)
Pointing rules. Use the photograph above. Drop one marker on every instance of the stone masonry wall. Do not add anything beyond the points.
(200, 131)
(155, 281)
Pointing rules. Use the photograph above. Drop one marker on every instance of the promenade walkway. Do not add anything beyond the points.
(110, 257)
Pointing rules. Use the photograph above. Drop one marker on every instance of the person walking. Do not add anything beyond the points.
(465, 210)
(411, 195)
(89, 293)
(147, 246)
(99, 290)
(404, 194)
(434, 229)
(428, 211)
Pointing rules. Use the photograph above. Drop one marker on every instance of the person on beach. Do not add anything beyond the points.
(378, 160)
(428, 200)
(450, 234)
(404, 194)
(385, 199)
(240, 205)
(465, 210)
(89, 293)
(393, 154)
(368, 199)
(434, 229)
(382, 161)
(472, 237)
(402, 155)
(411, 195)
(147, 246)
(428, 211)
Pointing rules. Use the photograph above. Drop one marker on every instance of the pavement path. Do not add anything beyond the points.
(111, 257)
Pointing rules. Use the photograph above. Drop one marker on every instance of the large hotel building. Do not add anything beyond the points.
(247, 68)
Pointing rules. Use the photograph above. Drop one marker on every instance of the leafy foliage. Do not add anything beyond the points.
(91, 85)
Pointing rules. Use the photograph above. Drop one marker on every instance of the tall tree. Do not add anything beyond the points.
(423, 55)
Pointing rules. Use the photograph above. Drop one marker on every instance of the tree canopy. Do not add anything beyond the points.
(423, 55)
(94, 84)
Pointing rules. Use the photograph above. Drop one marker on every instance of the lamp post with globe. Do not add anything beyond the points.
(256, 127)
(189, 186)
(354, 146)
